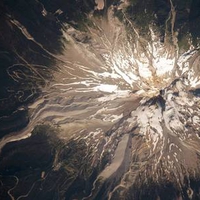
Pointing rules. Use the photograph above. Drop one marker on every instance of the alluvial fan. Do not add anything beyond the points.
(118, 120)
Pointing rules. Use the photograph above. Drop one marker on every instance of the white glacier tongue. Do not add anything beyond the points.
(106, 88)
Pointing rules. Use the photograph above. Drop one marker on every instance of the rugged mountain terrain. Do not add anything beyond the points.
(99, 99)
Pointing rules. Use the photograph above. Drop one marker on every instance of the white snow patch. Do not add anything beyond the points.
(106, 88)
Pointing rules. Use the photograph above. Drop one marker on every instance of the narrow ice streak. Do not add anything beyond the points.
(106, 88)
(112, 118)
(122, 74)
(117, 94)
(109, 75)
(195, 82)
